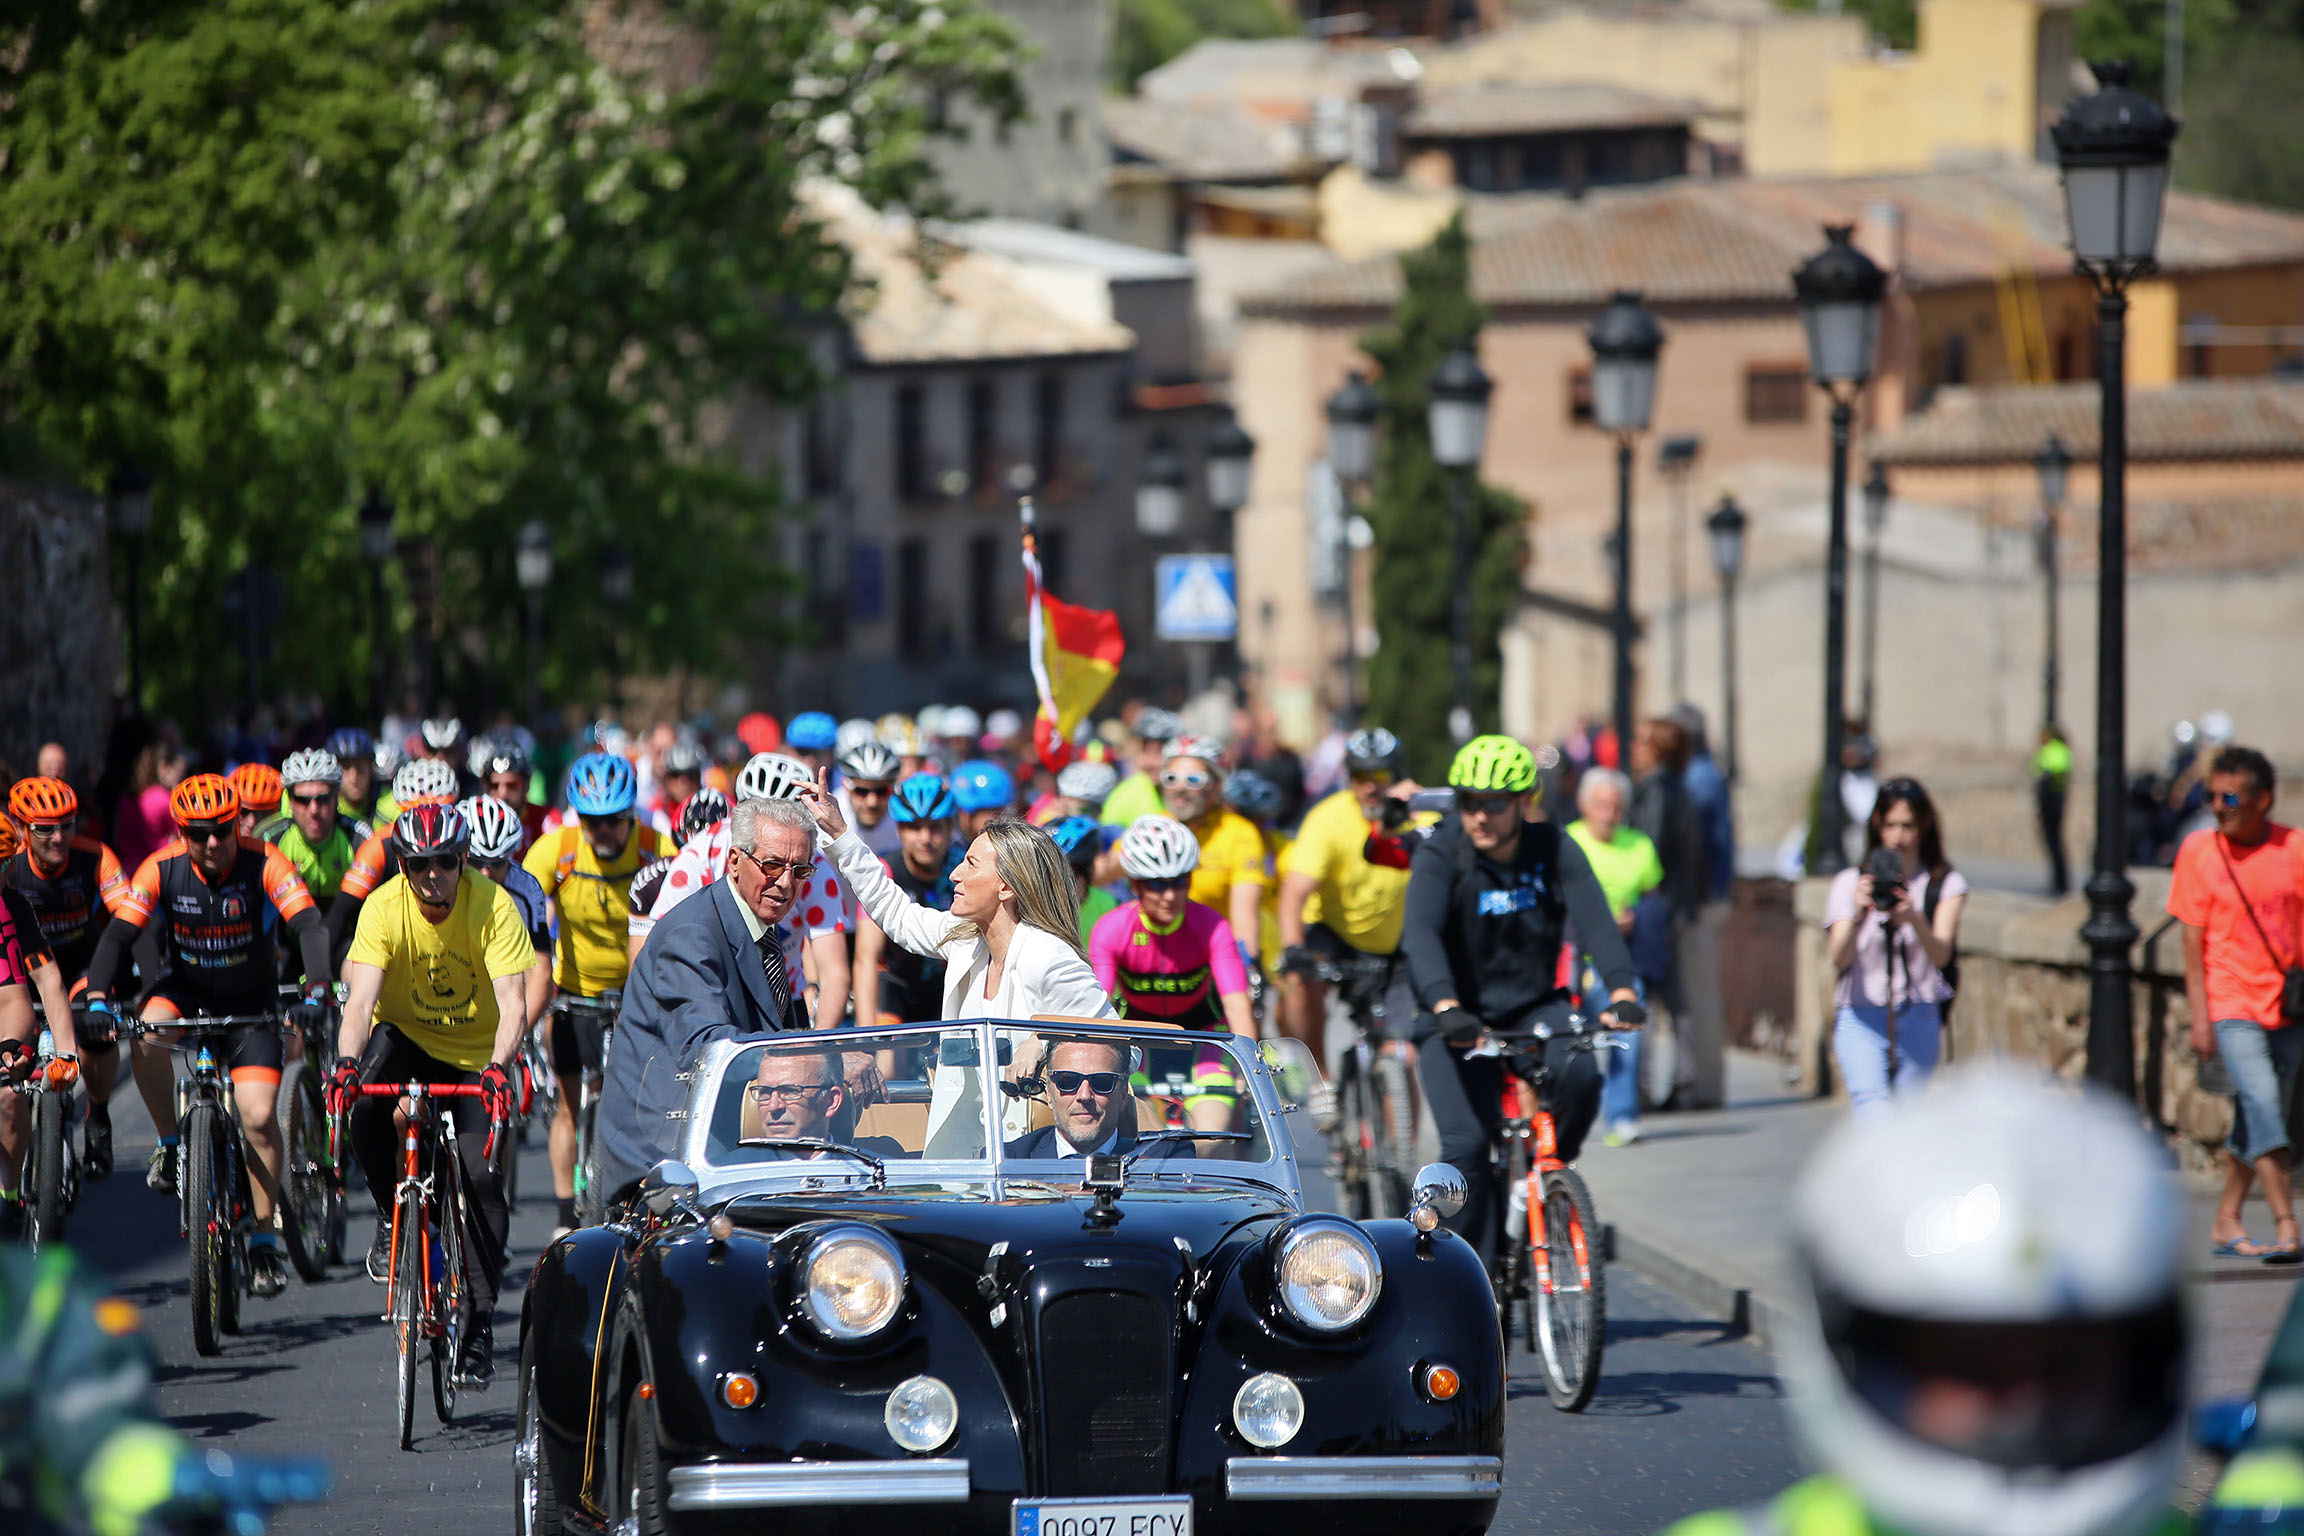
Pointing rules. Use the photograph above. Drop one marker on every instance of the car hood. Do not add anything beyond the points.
(962, 1230)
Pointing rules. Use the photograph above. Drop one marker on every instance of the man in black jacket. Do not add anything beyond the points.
(1492, 896)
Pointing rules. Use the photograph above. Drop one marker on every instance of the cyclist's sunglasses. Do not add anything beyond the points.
(2229, 802)
(1176, 780)
(774, 870)
(494, 869)
(606, 823)
(210, 831)
(1485, 805)
(1102, 1084)
(787, 1093)
(314, 801)
(1381, 777)
(858, 787)
(431, 863)
(1175, 883)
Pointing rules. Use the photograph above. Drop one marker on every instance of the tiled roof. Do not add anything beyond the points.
(1206, 141)
(2195, 419)
(1476, 111)
(972, 307)
(1738, 239)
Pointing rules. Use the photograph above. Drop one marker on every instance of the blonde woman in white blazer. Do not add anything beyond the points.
(1010, 944)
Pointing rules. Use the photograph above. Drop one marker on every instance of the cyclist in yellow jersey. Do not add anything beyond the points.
(587, 869)
(1232, 872)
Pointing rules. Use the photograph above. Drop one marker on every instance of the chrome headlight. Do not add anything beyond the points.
(1327, 1274)
(852, 1283)
(1269, 1411)
(922, 1415)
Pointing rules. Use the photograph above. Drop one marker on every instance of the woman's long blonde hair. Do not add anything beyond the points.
(1032, 866)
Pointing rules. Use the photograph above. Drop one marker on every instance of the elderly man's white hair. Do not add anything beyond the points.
(1603, 778)
(745, 822)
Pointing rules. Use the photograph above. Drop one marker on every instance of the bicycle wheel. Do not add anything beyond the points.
(408, 1267)
(303, 1172)
(1350, 1139)
(1513, 1262)
(450, 1289)
(207, 1228)
(1571, 1304)
(44, 1169)
(1392, 1118)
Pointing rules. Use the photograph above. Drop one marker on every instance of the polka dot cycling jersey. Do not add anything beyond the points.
(820, 909)
(1175, 974)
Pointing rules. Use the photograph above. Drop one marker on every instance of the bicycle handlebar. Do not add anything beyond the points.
(198, 1023)
(420, 1090)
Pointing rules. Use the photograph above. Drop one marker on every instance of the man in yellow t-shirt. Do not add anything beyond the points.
(1336, 903)
(434, 994)
(1232, 872)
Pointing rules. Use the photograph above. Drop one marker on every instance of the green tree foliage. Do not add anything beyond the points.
(1409, 687)
(525, 260)
(1148, 33)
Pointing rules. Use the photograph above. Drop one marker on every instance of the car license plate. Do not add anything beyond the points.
(1105, 1517)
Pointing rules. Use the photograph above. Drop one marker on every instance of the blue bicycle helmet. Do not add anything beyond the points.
(351, 742)
(1080, 837)
(1252, 795)
(983, 786)
(601, 784)
(814, 731)
(922, 797)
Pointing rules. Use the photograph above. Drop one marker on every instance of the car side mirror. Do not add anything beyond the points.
(667, 1187)
(1439, 1193)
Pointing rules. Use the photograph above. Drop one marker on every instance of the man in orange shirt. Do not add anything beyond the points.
(2239, 892)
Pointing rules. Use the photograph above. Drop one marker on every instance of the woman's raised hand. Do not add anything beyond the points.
(819, 799)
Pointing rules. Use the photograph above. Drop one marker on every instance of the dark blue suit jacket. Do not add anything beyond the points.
(698, 979)
(1043, 1143)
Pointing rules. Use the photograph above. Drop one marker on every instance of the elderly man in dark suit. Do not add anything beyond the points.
(712, 970)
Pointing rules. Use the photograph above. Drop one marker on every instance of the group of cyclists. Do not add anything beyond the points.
(464, 913)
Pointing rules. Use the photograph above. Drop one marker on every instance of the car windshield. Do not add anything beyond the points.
(1177, 1106)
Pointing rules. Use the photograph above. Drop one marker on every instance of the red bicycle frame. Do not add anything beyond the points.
(1526, 1116)
(433, 1313)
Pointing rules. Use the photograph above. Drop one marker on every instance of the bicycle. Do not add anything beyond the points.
(312, 1178)
(1373, 1141)
(430, 1290)
(214, 1207)
(576, 1010)
(1549, 1267)
(51, 1175)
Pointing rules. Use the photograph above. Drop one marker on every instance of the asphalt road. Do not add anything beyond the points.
(1684, 1419)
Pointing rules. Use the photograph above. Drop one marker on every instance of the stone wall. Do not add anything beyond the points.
(59, 652)
(2024, 993)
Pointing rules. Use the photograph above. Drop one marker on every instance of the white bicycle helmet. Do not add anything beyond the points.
(313, 765)
(1206, 748)
(1004, 723)
(442, 733)
(1158, 848)
(773, 776)
(1156, 724)
(870, 762)
(1089, 781)
(423, 778)
(853, 734)
(2216, 728)
(2009, 1249)
(958, 720)
(496, 829)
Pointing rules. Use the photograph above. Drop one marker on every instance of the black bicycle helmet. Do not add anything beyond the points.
(1253, 795)
(1374, 750)
(701, 810)
(427, 830)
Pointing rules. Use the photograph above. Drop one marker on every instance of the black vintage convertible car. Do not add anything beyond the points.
(1043, 1278)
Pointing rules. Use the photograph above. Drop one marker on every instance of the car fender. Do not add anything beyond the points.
(568, 1306)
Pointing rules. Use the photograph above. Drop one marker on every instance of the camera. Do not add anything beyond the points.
(1886, 868)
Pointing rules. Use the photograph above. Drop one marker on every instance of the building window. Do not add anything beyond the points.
(912, 600)
(1955, 361)
(820, 448)
(867, 582)
(983, 435)
(984, 607)
(911, 443)
(1775, 395)
(1579, 397)
(1048, 428)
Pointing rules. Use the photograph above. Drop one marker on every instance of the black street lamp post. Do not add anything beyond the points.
(376, 548)
(1676, 460)
(1625, 341)
(2113, 148)
(1726, 526)
(2054, 464)
(532, 564)
(1875, 519)
(128, 502)
(1840, 291)
(1231, 464)
(1160, 489)
(616, 591)
(1459, 427)
(1352, 413)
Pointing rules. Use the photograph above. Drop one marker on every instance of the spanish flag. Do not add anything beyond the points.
(1075, 655)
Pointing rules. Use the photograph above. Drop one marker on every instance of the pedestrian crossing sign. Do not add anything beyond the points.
(1196, 598)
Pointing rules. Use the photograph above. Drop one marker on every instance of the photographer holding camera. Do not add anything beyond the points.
(1893, 927)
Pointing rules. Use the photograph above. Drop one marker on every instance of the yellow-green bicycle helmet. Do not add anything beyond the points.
(1495, 765)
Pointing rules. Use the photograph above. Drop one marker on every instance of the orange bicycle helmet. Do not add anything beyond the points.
(258, 786)
(204, 797)
(7, 838)
(42, 799)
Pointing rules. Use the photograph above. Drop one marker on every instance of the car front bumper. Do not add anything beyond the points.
(772, 1484)
(1363, 1477)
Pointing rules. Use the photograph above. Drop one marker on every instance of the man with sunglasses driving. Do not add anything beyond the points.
(217, 897)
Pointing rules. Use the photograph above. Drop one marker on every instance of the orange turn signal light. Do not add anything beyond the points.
(647, 1391)
(740, 1390)
(1440, 1382)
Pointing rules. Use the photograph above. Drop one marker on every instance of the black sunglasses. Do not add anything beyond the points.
(1101, 1084)
(1175, 883)
(313, 800)
(210, 831)
(1484, 805)
(429, 864)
